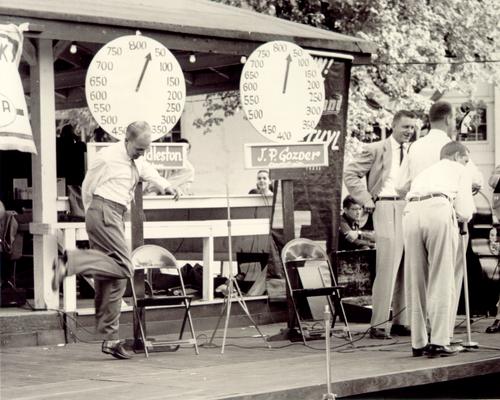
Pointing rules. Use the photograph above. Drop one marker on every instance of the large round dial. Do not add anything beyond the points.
(135, 78)
(282, 91)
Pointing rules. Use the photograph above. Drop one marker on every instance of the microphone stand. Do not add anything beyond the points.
(469, 343)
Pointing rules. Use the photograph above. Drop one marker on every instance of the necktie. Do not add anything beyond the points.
(401, 153)
(134, 178)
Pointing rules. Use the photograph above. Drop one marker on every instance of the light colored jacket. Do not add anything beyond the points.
(365, 175)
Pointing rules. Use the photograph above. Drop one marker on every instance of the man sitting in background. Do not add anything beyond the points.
(356, 227)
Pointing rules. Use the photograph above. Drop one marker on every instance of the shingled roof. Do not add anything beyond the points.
(218, 35)
(201, 18)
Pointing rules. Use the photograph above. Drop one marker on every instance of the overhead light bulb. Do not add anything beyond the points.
(243, 59)
(192, 58)
(73, 49)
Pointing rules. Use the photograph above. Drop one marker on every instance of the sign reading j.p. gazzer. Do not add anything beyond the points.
(285, 155)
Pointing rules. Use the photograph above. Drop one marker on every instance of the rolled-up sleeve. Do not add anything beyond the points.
(149, 174)
(464, 203)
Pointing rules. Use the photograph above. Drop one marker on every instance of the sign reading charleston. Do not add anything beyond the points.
(162, 156)
(286, 155)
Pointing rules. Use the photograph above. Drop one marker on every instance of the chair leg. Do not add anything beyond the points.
(191, 328)
(138, 317)
(341, 306)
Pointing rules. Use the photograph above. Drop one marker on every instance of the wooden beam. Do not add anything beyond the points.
(64, 80)
(204, 61)
(85, 32)
(29, 52)
(221, 76)
(75, 98)
(60, 96)
(79, 60)
(43, 169)
(193, 39)
(60, 47)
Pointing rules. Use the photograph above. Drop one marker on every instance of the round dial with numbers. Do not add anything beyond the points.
(282, 91)
(135, 78)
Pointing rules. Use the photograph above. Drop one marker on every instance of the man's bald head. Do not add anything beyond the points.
(138, 138)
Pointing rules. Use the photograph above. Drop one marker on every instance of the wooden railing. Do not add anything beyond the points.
(70, 232)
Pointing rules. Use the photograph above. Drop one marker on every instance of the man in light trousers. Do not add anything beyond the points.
(438, 197)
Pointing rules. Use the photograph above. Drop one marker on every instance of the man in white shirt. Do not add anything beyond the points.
(370, 179)
(107, 191)
(425, 152)
(438, 197)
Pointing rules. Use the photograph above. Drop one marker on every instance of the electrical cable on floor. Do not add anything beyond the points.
(371, 347)
(65, 326)
(471, 321)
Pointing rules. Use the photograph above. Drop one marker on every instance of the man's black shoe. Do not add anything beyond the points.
(435, 350)
(400, 330)
(117, 350)
(420, 351)
(494, 327)
(59, 271)
(377, 333)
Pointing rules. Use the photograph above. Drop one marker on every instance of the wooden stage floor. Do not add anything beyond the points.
(247, 370)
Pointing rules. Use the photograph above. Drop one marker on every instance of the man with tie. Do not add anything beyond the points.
(108, 189)
(370, 178)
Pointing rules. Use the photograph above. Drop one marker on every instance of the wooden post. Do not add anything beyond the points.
(43, 170)
(288, 209)
(287, 176)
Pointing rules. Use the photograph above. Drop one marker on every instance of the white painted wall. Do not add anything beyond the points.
(485, 154)
(218, 155)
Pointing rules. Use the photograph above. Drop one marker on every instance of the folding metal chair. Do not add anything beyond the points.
(311, 284)
(146, 259)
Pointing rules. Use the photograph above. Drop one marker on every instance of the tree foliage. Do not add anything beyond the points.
(424, 47)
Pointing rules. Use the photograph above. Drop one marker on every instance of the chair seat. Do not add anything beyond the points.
(162, 301)
(324, 291)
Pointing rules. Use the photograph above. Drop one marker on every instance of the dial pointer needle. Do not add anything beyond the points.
(288, 61)
(148, 59)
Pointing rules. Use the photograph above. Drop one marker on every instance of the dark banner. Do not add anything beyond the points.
(318, 190)
(315, 190)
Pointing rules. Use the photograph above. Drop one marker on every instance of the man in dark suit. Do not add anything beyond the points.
(370, 179)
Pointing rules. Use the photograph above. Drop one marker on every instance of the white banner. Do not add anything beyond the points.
(15, 128)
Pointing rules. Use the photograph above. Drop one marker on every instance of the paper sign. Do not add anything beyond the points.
(289, 155)
(162, 156)
(15, 128)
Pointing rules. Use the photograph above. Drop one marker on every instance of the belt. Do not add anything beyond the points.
(117, 206)
(387, 198)
(429, 196)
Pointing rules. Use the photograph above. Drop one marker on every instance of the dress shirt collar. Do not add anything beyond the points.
(123, 150)
(395, 144)
(438, 133)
